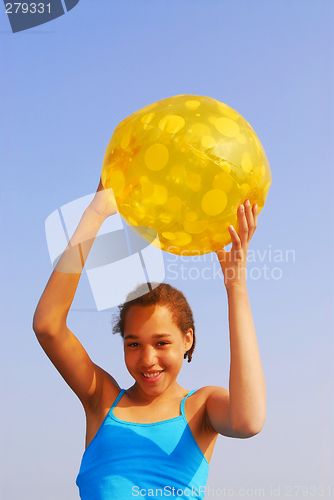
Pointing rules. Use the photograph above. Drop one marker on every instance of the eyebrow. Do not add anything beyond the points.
(155, 336)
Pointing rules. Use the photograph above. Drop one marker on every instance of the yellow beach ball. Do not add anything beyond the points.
(181, 167)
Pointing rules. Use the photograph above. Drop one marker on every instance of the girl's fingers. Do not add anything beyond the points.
(247, 216)
(255, 214)
(236, 242)
(243, 225)
(250, 215)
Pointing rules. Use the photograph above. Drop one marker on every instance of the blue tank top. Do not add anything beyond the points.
(126, 460)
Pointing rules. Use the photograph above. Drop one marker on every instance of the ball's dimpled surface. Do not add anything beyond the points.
(182, 166)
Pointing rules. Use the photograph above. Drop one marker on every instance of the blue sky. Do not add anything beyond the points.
(65, 86)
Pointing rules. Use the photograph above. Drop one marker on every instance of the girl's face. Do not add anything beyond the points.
(154, 347)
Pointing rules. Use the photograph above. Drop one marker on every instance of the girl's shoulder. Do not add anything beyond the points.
(201, 396)
(208, 391)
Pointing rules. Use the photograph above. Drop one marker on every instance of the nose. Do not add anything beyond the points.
(148, 357)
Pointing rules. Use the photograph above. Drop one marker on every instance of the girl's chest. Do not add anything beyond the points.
(194, 410)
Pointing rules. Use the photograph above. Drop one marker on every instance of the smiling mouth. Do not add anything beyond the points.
(152, 375)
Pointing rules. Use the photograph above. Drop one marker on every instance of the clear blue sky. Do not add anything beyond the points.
(64, 87)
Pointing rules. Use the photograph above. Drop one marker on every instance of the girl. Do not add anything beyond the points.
(155, 438)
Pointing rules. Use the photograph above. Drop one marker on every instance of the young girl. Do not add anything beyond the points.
(156, 438)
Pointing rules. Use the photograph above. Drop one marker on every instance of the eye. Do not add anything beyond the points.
(162, 343)
(134, 344)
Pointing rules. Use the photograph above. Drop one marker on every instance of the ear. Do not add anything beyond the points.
(188, 339)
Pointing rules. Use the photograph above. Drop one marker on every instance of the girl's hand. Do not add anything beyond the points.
(234, 263)
(104, 201)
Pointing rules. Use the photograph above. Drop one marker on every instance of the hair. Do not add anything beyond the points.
(163, 295)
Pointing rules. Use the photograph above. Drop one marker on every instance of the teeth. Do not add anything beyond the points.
(149, 375)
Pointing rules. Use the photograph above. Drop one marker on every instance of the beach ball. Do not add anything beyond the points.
(180, 167)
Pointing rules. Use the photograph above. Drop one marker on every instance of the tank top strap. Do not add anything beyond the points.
(117, 399)
(184, 399)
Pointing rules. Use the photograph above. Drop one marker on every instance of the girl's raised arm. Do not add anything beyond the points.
(49, 323)
(241, 411)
